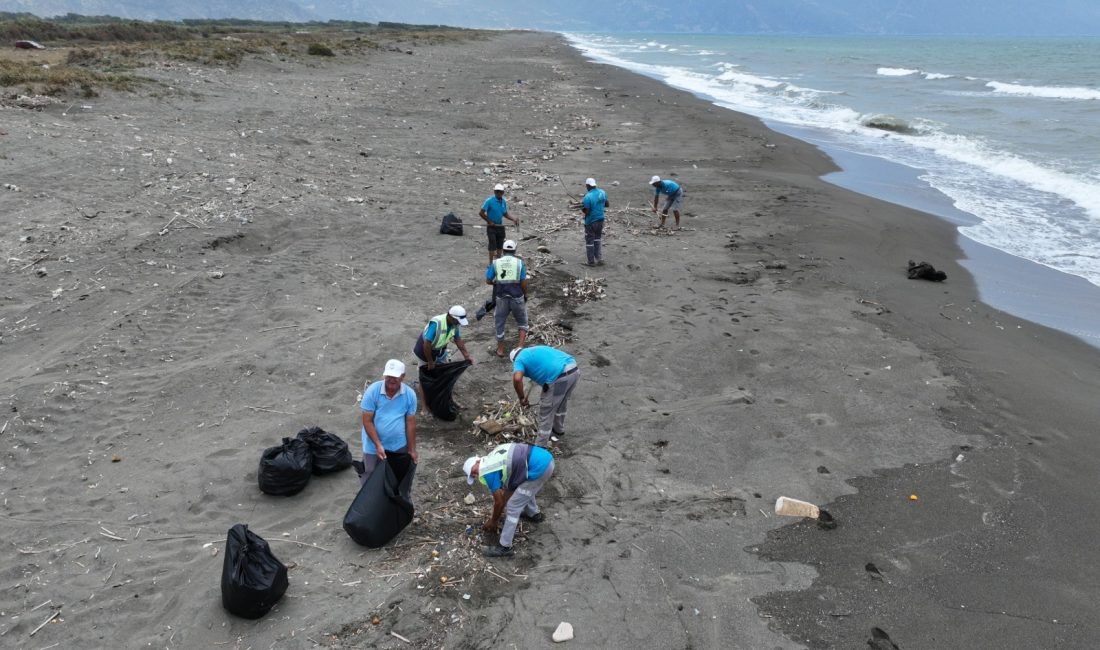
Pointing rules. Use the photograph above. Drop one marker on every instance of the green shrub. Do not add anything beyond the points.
(320, 49)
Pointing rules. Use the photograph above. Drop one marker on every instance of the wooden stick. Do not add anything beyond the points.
(490, 570)
(291, 541)
(267, 410)
(392, 633)
(281, 327)
(55, 615)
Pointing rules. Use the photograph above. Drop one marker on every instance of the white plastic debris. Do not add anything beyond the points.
(563, 633)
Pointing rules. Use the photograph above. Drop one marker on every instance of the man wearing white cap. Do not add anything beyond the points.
(595, 200)
(674, 202)
(389, 418)
(514, 472)
(494, 211)
(557, 373)
(431, 345)
(508, 275)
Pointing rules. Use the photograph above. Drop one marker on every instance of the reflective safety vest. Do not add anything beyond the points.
(506, 269)
(511, 460)
(443, 333)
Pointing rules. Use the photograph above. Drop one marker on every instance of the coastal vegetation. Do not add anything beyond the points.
(86, 54)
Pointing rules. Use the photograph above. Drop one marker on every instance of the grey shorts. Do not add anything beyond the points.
(674, 202)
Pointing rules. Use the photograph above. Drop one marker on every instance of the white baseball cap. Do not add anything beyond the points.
(459, 312)
(394, 368)
(499, 187)
(513, 354)
(509, 245)
(469, 465)
(590, 182)
(655, 179)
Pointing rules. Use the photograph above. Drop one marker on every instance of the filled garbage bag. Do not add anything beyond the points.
(285, 469)
(253, 579)
(438, 385)
(383, 506)
(330, 452)
(451, 225)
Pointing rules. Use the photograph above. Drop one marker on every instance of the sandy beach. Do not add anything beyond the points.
(199, 268)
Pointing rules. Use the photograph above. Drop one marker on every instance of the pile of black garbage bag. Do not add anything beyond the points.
(285, 469)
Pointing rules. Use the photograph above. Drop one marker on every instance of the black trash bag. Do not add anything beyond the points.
(451, 225)
(383, 506)
(438, 385)
(253, 579)
(925, 271)
(285, 469)
(330, 452)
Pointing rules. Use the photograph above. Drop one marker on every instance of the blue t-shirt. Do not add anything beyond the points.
(594, 202)
(495, 209)
(542, 363)
(510, 289)
(667, 187)
(536, 465)
(389, 416)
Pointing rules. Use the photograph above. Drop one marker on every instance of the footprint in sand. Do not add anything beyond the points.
(821, 419)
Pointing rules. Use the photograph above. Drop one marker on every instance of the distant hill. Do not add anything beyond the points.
(886, 17)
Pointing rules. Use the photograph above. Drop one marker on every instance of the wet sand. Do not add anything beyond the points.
(230, 257)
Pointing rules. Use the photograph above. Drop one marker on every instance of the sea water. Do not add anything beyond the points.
(1000, 136)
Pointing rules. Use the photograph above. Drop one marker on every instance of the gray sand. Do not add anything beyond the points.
(774, 347)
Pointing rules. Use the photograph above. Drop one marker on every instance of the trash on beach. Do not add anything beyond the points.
(925, 271)
(585, 289)
(253, 579)
(789, 507)
(330, 452)
(563, 633)
(285, 469)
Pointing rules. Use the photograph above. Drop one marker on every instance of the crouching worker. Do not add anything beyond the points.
(514, 473)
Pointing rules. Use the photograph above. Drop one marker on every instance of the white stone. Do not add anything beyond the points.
(563, 633)
(470, 499)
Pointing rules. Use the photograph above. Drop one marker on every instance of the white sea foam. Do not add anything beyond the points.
(1046, 92)
(896, 72)
(933, 76)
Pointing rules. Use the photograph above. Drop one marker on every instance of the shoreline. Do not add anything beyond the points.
(774, 347)
(1062, 303)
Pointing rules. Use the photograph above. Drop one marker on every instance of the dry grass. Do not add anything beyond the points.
(87, 55)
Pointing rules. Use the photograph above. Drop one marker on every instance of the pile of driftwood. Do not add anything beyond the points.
(505, 421)
(548, 331)
(585, 289)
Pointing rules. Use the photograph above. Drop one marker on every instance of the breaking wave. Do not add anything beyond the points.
(1046, 92)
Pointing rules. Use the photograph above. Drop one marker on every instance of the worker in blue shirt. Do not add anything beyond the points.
(494, 211)
(595, 200)
(674, 202)
(514, 473)
(388, 418)
(557, 373)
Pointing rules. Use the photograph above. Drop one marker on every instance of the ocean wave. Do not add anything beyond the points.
(1046, 92)
(889, 123)
(933, 76)
(896, 72)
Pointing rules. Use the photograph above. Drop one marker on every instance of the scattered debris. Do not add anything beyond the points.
(585, 289)
(925, 271)
(563, 633)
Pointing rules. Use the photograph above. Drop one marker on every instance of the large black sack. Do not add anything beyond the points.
(438, 385)
(253, 579)
(451, 225)
(383, 506)
(330, 452)
(285, 469)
